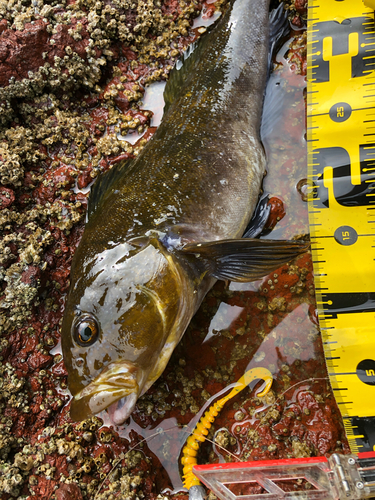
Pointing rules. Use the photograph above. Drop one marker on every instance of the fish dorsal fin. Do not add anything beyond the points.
(179, 73)
(105, 184)
(183, 68)
(246, 259)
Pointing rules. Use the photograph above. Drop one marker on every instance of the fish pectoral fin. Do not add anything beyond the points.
(245, 259)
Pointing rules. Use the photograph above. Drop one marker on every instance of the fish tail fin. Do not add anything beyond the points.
(278, 28)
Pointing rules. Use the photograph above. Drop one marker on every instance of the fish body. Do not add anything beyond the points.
(163, 227)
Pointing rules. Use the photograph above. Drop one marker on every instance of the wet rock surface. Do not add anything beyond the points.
(72, 75)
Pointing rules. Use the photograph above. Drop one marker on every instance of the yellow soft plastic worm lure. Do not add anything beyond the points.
(190, 451)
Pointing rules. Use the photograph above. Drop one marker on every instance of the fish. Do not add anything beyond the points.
(164, 226)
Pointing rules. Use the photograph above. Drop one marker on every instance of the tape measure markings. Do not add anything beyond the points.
(341, 162)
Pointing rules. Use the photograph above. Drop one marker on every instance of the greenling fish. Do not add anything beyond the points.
(163, 227)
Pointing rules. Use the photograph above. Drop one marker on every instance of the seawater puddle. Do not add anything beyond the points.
(203, 20)
(224, 317)
(153, 100)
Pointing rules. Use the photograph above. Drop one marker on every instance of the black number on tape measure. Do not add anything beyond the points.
(347, 303)
(346, 235)
(364, 432)
(362, 63)
(344, 191)
(340, 112)
(366, 371)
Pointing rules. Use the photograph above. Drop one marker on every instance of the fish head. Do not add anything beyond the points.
(127, 308)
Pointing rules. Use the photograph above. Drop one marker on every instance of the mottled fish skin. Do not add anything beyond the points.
(197, 180)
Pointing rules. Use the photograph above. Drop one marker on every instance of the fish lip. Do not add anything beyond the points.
(114, 377)
(118, 412)
(116, 381)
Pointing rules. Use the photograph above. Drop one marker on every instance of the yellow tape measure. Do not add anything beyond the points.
(341, 170)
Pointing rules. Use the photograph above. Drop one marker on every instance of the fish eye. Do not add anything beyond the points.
(86, 331)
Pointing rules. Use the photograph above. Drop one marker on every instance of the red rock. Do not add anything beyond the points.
(60, 178)
(83, 199)
(85, 178)
(117, 159)
(137, 114)
(34, 384)
(20, 426)
(59, 369)
(91, 100)
(172, 8)
(3, 25)
(24, 200)
(122, 102)
(148, 134)
(38, 360)
(6, 197)
(208, 10)
(141, 70)
(99, 116)
(16, 47)
(297, 22)
(31, 276)
(63, 39)
(27, 180)
(301, 6)
(103, 164)
(68, 492)
(129, 54)
(277, 212)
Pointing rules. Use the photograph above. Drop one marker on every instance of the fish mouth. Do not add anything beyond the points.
(116, 381)
(121, 410)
